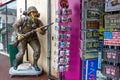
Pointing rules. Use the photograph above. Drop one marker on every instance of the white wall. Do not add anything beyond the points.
(20, 8)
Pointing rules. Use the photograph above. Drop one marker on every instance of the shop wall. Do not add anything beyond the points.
(41, 6)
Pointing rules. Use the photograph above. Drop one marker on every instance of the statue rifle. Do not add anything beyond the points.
(31, 32)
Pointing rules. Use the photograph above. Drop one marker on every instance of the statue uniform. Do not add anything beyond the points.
(23, 26)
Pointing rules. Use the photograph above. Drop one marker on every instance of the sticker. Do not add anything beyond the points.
(58, 12)
(57, 28)
(57, 52)
(67, 52)
(58, 20)
(62, 53)
(67, 44)
(57, 44)
(61, 68)
(62, 44)
(66, 11)
(61, 60)
(56, 60)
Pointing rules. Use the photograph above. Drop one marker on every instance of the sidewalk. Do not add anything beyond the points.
(4, 71)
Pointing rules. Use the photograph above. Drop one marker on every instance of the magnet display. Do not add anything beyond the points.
(61, 60)
(58, 12)
(57, 28)
(66, 19)
(58, 20)
(62, 53)
(111, 71)
(62, 45)
(57, 36)
(67, 44)
(67, 52)
(57, 44)
(65, 28)
(66, 11)
(64, 36)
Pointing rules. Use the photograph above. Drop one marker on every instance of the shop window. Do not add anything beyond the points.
(0, 23)
(8, 16)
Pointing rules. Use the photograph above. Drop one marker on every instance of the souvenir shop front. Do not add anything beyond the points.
(83, 43)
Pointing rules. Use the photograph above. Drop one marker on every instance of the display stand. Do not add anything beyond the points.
(24, 69)
(111, 50)
(91, 15)
(68, 60)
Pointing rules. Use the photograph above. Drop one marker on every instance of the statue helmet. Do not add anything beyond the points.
(31, 8)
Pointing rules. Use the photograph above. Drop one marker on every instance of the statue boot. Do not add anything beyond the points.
(35, 65)
(15, 64)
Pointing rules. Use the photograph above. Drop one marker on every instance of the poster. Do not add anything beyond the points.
(90, 69)
(111, 71)
(94, 4)
(112, 38)
(112, 21)
(112, 5)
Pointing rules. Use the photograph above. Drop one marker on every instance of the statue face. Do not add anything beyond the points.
(34, 14)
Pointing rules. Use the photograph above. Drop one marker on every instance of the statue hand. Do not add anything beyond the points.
(20, 37)
(39, 30)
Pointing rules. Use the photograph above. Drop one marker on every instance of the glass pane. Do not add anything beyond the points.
(2, 27)
(8, 15)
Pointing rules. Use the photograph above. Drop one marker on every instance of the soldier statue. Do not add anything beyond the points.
(26, 24)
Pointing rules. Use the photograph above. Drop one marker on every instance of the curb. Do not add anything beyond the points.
(4, 53)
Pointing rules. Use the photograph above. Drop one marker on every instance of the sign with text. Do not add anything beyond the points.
(91, 55)
(112, 21)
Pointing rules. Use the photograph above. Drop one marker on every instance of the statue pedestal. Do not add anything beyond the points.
(24, 69)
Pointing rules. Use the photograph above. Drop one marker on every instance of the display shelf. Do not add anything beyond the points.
(111, 50)
(90, 35)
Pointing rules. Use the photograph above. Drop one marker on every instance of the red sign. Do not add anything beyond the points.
(0, 2)
(64, 3)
